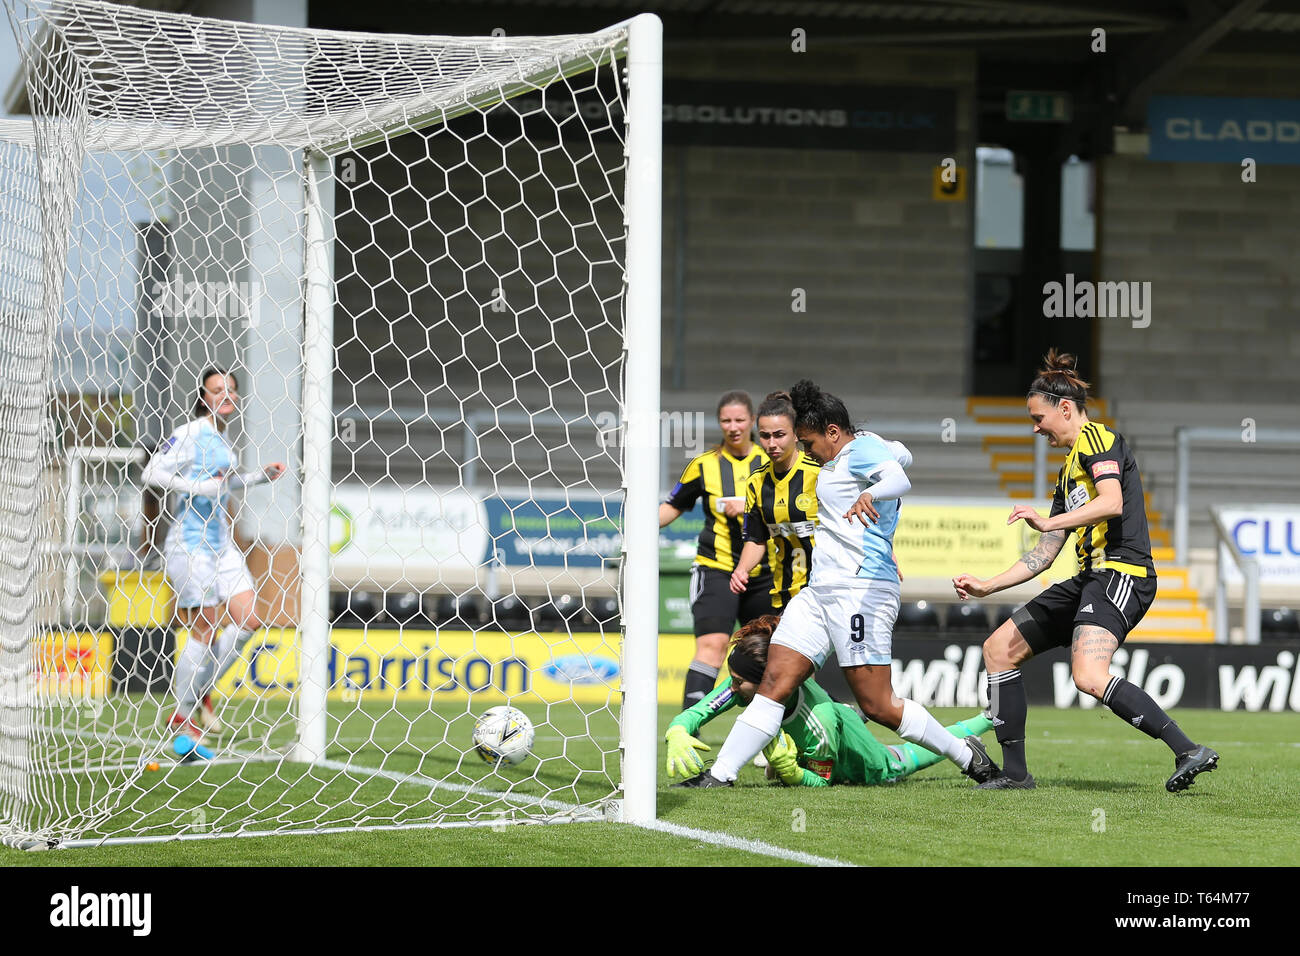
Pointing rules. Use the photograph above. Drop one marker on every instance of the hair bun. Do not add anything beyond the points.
(804, 393)
(1060, 361)
(778, 397)
(1059, 378)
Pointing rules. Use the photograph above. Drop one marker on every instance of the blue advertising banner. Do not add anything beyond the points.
(553, 532)
(1212, 129)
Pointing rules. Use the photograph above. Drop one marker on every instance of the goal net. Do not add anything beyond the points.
(412, 263)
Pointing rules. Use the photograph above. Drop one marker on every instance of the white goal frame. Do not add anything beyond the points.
(639, 582)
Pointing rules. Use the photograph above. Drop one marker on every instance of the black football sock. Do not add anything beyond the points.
(1008, 710)
(1135, 705)
(700, 679)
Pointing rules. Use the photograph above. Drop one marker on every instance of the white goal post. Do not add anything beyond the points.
(396, 247)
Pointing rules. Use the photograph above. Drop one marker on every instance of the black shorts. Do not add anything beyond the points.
(1110, 599)
(716, 609)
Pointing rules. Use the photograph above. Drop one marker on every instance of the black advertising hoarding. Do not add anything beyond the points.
(792, 116)
(950, 673)
(763, 115)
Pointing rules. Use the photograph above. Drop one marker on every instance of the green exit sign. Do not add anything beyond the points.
(1037, 107)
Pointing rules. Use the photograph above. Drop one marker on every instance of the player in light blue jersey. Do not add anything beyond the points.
(205, 568)
(852, 597)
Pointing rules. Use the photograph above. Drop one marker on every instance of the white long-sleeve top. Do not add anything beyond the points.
(199, 465)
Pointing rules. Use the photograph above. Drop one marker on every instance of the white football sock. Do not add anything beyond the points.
(227, 648)
(922, 729)
(755, 728)
(192, 670)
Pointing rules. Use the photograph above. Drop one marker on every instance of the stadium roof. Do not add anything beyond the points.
(1149, 41)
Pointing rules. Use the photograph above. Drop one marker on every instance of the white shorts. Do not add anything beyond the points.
(203, 577)
(857, 621)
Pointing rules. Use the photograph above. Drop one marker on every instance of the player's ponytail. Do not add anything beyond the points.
(748, 656)
(816, 410)
(777, 404)
(1059, 379)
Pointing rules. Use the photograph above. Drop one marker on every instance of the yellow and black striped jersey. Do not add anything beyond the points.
(713, 475)
(782, 511)
(1122, 543)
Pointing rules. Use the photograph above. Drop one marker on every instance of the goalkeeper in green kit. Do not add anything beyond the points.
(821, 742)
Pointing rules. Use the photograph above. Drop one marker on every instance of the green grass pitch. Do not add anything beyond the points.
(1100, 802)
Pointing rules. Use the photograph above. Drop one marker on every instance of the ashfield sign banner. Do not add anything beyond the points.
(1213, 129)
(939, 673)
(385, 530)
(1269, 535)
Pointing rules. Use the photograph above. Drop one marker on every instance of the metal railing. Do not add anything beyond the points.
(1249, 568)
(1184, 437)
(478, 422)
(77, 458)
(475, 424)
(928, 429)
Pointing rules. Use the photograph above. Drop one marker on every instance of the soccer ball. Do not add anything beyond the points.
(504, 735)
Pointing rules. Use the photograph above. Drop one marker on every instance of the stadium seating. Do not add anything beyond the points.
(1279, 622)
(355, 608)
(406, 609)
(918, 616)
(563, 613)
(457, 611)
(604, 612)
(511, 613)
(967, 616)
(1261, 473)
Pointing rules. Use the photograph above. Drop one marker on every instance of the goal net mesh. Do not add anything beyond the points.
(157, 213)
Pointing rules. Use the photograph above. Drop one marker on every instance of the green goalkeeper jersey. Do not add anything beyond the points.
(834, 744)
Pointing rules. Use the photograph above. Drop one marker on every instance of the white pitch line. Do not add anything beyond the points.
(727, 840)
(478, 791)
(1144, 741)
(140, 765)
(566, 812)
(316, 831)
(731, 842)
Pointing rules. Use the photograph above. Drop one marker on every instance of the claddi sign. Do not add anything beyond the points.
(1221, 129)
(1270, 535)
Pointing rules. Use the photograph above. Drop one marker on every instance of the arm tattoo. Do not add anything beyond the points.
(1045, 552)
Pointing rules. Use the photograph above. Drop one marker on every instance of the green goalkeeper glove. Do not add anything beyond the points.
(783, 757)
(682, 757)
